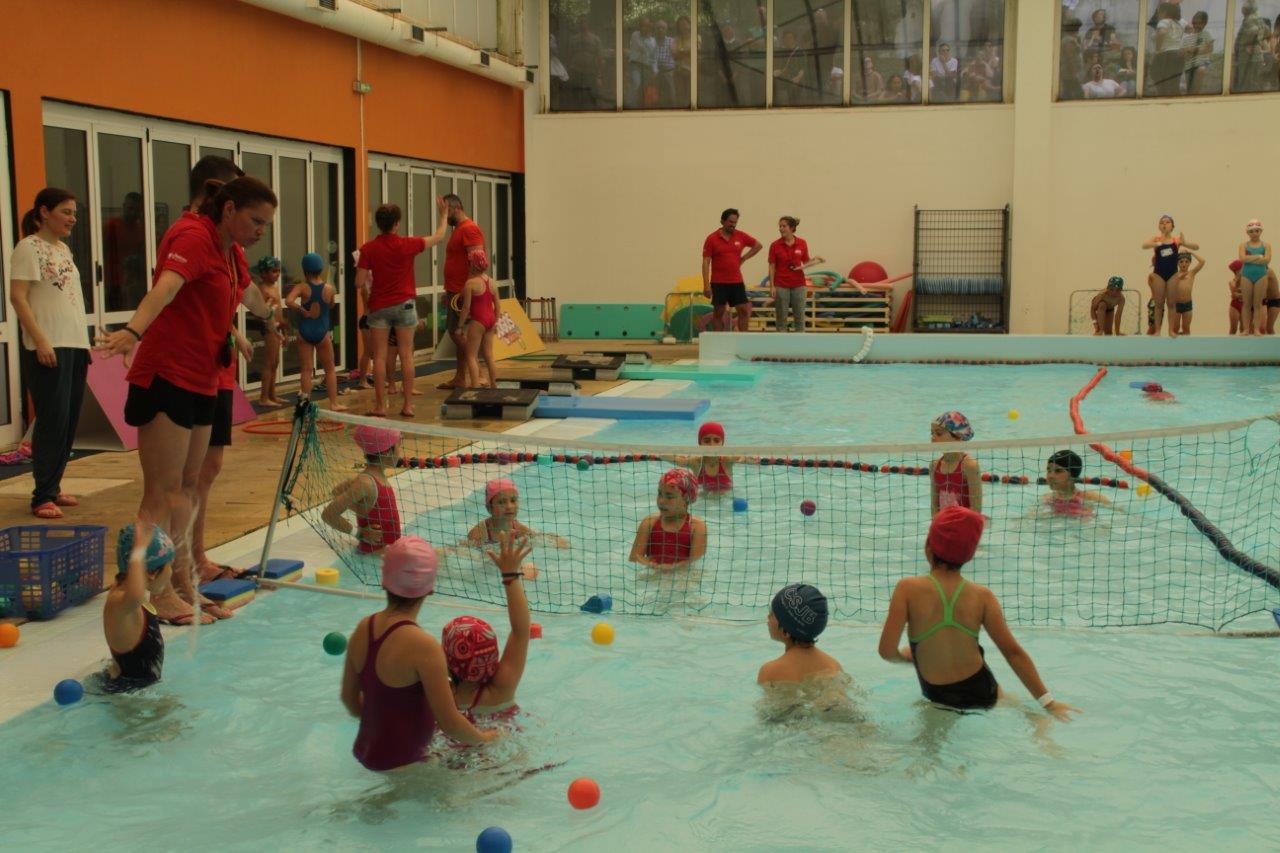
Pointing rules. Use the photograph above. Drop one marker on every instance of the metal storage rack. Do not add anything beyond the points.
(961, 266)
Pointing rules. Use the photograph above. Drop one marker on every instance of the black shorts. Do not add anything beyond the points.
(185, 408)
(729, 294)
(364, 323)
(452, 315)
(221, 434)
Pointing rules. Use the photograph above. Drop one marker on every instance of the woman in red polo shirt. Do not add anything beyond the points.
(186, 320)
(788, 256)
(390, 298)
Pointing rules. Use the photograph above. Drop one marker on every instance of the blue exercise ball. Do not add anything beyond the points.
(495, 839)
(68, 692)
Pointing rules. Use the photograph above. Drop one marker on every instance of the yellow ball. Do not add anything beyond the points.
(1013, 414)
(1144, 491)
(602, 633)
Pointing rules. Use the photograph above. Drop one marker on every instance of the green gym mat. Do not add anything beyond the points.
(611, 322)
(682, 326)
(695, 372)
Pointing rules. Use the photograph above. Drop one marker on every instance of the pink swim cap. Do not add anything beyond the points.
(477, 260)
(409, 567)
(470, 649)
(371, 439)
(684, 482)
(496, 487)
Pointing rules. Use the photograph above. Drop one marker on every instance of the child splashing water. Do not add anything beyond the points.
(1062, 472)
(955, 478)
(369, 494)
(502, 499)
(144, 561)
(672, 537)
(313, 299)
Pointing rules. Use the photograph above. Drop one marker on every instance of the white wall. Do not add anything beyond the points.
(618, 204)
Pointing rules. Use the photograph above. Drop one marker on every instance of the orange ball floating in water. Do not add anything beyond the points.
(1126, 455)
(9, 634)
(602, 633)
(584, 793)
(1143, 491)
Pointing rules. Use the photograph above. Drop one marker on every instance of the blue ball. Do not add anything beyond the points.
(68, 691)
(495, 839)
(739, 504)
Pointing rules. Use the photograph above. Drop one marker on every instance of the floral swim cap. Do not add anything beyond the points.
(956, 424)
(470, 649)
(684, 482)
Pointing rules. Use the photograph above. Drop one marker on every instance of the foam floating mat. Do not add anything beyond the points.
(621, 408)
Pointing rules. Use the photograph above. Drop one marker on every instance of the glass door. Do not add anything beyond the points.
(10, 384)
(123, 273)
(423, 223)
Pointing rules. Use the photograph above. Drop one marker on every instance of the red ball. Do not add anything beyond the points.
(884, 469)
(455, 461)
(808, 507)
(584, 793)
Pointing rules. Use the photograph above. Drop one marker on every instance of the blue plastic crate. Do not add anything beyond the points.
(47, 568)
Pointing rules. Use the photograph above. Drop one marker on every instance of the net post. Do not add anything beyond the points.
(300, 413)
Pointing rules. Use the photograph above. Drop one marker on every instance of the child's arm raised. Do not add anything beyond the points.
(508, 558)
(1019, 661)
(1185, 243)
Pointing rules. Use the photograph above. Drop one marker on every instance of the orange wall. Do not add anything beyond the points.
(274, 75)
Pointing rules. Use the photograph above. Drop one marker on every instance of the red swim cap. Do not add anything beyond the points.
(710, 428)
(954, 534)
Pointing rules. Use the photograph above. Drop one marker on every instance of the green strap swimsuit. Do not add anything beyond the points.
(948, 614)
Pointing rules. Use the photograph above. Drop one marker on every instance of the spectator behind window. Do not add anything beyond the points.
(1070, 64)
(1099, 86)
(944, 75)
(1127, 71)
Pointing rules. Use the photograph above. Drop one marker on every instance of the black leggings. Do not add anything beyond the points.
(58, 393)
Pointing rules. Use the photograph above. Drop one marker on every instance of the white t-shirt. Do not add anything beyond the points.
(54, 296)
(1103, 89)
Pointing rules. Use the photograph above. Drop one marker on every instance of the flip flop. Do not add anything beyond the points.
(186, 619)
(446, 386)
(64, 499)
(47, 510)
(229, 572)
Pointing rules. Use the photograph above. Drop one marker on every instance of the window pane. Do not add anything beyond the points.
(291, 220)
(206, 150)
(170, 188)
(808, 45)
(375, 199)
(259, 166)
(1184, 50)
(502, 235)
(324, 238)
(423, 339)
(1255, 60)
(1103, 33)
(657, 40)
(484, 215)
(888, 40)
(582, 54)
(967, 46)
(398, 194)
(731, 53)
(422, 221)
(66, 165)
(124, 239)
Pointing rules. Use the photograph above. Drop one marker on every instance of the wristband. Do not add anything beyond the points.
(131, 331)
(1046, 700)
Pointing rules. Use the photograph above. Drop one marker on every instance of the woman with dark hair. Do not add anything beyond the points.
(187, 321)
(44, 289)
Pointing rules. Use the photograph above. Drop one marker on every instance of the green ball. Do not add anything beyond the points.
(335, 643)
(584, 464)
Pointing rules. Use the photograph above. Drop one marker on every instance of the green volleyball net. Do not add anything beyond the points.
(1198, 544)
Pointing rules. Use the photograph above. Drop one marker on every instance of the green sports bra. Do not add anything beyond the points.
(948, 614)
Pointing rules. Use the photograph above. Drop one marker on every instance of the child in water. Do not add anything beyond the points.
(312, 299)
(672, 537)
(144, 561)
(943, 614)
(1062, 472)
(395, 679)
(368, 494)
(502, 499)
(714, 473)
(955, 478)
(797, 616)
(1107, 307)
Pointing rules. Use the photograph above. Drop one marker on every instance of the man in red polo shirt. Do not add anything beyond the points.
(722, 260)
(466, 237)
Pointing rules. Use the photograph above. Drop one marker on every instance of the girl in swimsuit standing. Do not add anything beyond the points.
(479, 317)
(955, 478)
(714, 473)
(1164, 265)
(672, 537)
(312, 299)
(943, 614)
(1255, 257)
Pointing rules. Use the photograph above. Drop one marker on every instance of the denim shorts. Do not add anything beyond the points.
(394, 316)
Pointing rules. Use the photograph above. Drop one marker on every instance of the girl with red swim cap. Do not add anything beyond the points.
(672, 537)
(713, 473)
(943, 614)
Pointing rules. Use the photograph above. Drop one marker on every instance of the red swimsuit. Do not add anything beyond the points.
(484, 308)
(383, 516)
(667, 548)
(396, 723)
(718, 482)
(953, 488)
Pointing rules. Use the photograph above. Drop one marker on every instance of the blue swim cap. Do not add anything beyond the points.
(801, 611)
(312, 263)
(159, 552)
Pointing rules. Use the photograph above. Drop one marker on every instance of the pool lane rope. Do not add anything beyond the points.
(1229, 552)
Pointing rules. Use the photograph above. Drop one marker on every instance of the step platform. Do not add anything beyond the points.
(603, 367)
(508, 404)
(558, 387)
(694, 372)
(622, 408)
(278, 569)
(229, 592)
(628, 356)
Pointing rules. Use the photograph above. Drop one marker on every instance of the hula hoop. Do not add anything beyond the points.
(456, 302)
(272, 427)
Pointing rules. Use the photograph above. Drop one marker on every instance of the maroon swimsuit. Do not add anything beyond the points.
(396, 723)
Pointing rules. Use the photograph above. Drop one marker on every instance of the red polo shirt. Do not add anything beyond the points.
(390, 258)
(726, 255)
(465, 236)
(787, 262)
(184, 343)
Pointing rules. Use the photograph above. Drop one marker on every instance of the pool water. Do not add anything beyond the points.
(890, 403)
(245, 746)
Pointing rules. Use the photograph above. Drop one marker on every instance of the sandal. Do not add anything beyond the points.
(446, 386)
(210, 572)
(63, 499)
(47, 510)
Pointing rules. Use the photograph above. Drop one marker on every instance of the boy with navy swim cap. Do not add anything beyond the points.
(797, 616)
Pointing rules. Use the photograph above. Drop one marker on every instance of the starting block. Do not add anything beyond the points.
(555, 387)
(229, 592)
(628, 356)
(503, 403)
(604, 367)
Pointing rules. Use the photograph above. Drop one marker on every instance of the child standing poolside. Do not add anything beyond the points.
(1180, 292)
(1164, 265)
(1107, 307)
(943, 614)
(484, 683)
(144, 561)
(395, 678)
(1233, 287)
(369, 495)
(955, 478)
(313, 299)
(479, 318)
(271, 328)
(1062, 472)
(1255, 255)
(797, 616)
(672, 537)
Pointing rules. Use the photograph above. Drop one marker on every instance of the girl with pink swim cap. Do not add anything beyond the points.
(368, 494)
(502, 499)
(672, 537)
(395, 679)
